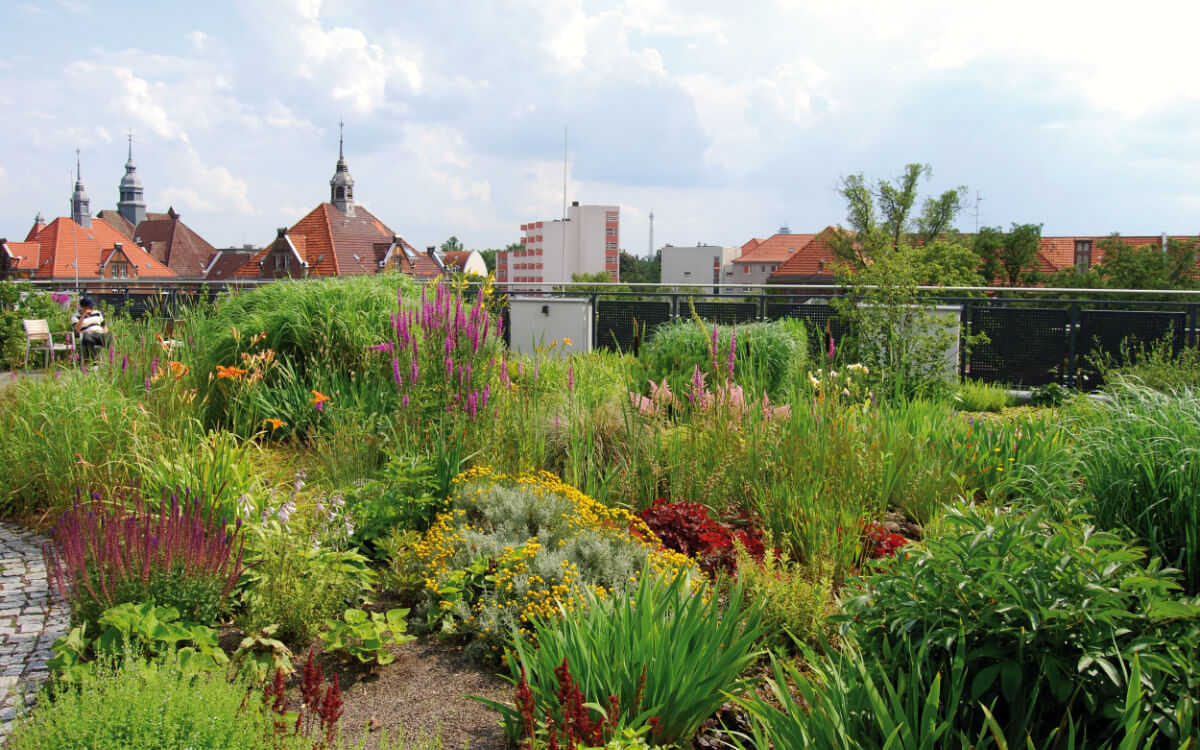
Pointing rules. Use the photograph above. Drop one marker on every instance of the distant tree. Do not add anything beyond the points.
(452, 245)
(987, 245)
(635, 270)
(880, 218)
(1019, 250)
(1147, 266)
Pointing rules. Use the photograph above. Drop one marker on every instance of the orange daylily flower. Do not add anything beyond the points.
(567, 341)
(229, 372)
(179, 368)
(274, 423)
(319, 399)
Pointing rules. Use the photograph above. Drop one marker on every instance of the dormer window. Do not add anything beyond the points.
(1083, 255)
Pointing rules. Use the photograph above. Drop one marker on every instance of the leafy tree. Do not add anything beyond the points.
(1147, 266)
(987, 245)
(1019, 249)
(635, 270)
(945, 263)
(881, 220)
(452, 245)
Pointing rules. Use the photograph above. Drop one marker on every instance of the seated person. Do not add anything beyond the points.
(89, 324)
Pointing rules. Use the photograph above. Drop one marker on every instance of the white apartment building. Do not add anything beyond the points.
(587, 242)
(695, 266)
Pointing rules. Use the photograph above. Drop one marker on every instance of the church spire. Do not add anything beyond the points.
(132, 206)
(341, 185)
(81, 212)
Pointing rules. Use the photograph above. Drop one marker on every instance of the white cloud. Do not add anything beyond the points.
(343, 60)
(198, 39)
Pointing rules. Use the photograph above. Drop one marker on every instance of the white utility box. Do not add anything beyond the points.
(540, 321)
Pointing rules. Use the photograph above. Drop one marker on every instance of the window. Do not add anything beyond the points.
(746, 269)
(1083, 255)
(283, 261)
(610, 231)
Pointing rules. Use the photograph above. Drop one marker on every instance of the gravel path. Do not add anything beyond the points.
(29, 621)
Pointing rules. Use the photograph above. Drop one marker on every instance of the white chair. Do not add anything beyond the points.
(39, 338)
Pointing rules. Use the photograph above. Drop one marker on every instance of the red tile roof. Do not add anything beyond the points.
(227, 262)
(1058, 253)
(814, 258)
(775, 249)
(23, 256)
(174, 243)
(62, 241)
(334, 244)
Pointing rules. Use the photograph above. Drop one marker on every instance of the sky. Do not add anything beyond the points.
(727, 120)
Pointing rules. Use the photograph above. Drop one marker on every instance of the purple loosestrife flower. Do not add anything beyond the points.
(404, 401)
(449, 367)
(385, 347)
(487, 390)
(154, 367)
(413, 371)
(571, 378)
(396, 371)
(472, 403)
(147, 384)
(124, 363)
(112, 352)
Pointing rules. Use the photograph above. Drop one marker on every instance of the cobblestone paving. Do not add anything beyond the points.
(29, 620)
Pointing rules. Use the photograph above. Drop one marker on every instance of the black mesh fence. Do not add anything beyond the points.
(1025, 346)
(1108, 334)
(618, 322)
(723, 313)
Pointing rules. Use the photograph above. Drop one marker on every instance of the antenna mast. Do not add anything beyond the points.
(978, 199)
(650, 252)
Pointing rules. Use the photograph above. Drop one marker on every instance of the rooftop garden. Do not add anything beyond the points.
(343, 514)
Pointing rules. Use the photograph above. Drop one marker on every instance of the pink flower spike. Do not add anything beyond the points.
(571, 378)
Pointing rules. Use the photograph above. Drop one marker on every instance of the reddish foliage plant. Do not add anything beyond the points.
(575, 726)
(320, 709)
(879, 542)
(688, 528)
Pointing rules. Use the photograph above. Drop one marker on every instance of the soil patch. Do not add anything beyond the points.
(424, 691)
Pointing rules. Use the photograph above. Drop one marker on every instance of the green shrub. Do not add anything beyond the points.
(975, 396)
(768, 356)
(365, 636)
(1042, 614)
(217, 466)
(511, 548)
(1155, 365)
(1050, 394)
(794, 599)
(842, 701)
(299, 571)
(1140, 456)
(20, 301)
(663, 651)
(401, 495)
(132, 706)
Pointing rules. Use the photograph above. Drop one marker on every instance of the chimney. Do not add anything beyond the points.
(1165, 242)
(575, 204)
(431, 251)
(280, 233)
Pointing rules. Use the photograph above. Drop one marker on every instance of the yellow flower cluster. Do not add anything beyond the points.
(516, 589)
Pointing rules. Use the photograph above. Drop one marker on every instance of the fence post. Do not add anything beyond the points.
(1190, 338)
(762, 305)
(964, 327)
(674, 305)
(595, 320)
(1072, 336)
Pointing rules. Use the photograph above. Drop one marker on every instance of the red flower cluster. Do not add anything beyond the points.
(320, 710)
(576, 727)
(688, 528)
(879, 542)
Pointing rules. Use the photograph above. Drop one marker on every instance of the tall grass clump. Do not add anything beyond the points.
(1139, 454)
(306, 326)
(767, 356)
(65, 433)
